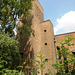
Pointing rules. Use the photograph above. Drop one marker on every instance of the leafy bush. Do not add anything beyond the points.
(9, 52)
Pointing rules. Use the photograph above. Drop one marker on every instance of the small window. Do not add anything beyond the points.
(44, 30)
(46, 59)
(58, 48)
(73, 52)
(54, 41)
(45, 43)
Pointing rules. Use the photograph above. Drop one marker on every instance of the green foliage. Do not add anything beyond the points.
(65, 65)
(2, 69)
(9, 52)
(13, 11)
(38, 66)
(51, 72)
(13, 72)
(40, 63)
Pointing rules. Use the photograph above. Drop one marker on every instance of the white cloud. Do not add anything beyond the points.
(66, 23)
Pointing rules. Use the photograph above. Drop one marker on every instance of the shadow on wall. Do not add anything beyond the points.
(26, 50)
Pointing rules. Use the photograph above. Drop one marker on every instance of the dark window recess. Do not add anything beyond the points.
(54, 41)
(73, 52)
(44, 30)
(45, 43)
(21, 55)
(58, 49)
(46, 59)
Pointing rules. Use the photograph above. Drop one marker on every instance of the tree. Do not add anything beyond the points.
(13, 11)
(65, 65)
(9, 52)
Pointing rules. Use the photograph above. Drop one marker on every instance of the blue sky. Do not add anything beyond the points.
(60, 12)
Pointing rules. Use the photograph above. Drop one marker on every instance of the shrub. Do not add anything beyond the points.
(9, 51)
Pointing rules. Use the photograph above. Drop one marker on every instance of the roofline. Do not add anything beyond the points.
(45, 21)
(41, 6)
(65, 33)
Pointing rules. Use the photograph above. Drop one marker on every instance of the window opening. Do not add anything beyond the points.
(46, 59)
(73, 52)
(54, 41)
(45, 43)
(58, 49)
(44, 30)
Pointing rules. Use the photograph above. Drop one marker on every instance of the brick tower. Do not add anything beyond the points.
(43, 40)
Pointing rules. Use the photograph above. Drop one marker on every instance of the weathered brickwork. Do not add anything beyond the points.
(62, 36)
(43, 40)
(47, 44)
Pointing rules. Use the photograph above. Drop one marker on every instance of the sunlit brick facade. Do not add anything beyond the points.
(43, 40)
